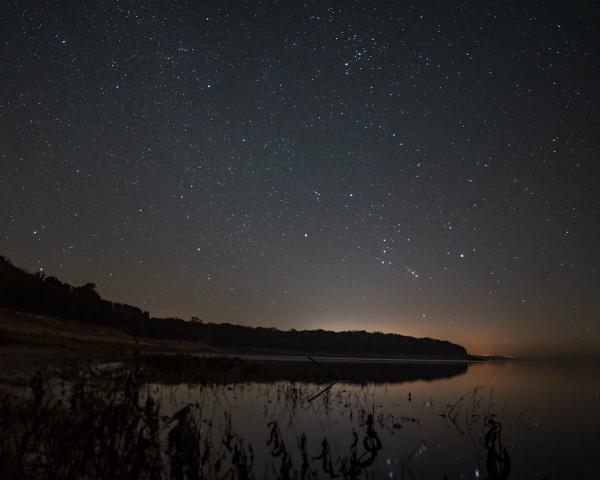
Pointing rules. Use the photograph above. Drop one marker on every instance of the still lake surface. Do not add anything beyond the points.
(480, 420)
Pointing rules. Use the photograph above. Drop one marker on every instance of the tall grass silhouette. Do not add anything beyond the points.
(115, 427)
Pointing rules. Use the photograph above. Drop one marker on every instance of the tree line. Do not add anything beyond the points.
(40, 294)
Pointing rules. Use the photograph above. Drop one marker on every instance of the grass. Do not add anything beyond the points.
(111, 425)
(111, 430)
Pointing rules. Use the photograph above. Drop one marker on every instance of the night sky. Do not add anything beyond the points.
(430, 169)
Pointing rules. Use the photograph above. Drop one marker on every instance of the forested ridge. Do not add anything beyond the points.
(40, 294)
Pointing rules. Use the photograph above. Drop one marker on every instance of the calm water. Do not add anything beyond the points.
(549, 416)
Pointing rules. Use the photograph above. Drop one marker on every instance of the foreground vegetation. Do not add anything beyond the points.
(112, 425)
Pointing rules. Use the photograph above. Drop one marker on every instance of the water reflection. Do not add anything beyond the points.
(425, 421)
(324, 370)
(492, 421)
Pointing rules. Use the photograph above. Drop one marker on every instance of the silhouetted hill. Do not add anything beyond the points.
(37, 293)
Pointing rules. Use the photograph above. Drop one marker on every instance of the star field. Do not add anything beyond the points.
(425, 168)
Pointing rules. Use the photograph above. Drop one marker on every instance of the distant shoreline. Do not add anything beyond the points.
(32, 342)
(276, 355)
(41, 331)
(48, 298)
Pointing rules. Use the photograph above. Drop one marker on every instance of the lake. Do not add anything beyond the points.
(479, 420)
(295, 418)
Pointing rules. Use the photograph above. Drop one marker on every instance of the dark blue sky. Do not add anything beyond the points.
(427, 168)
